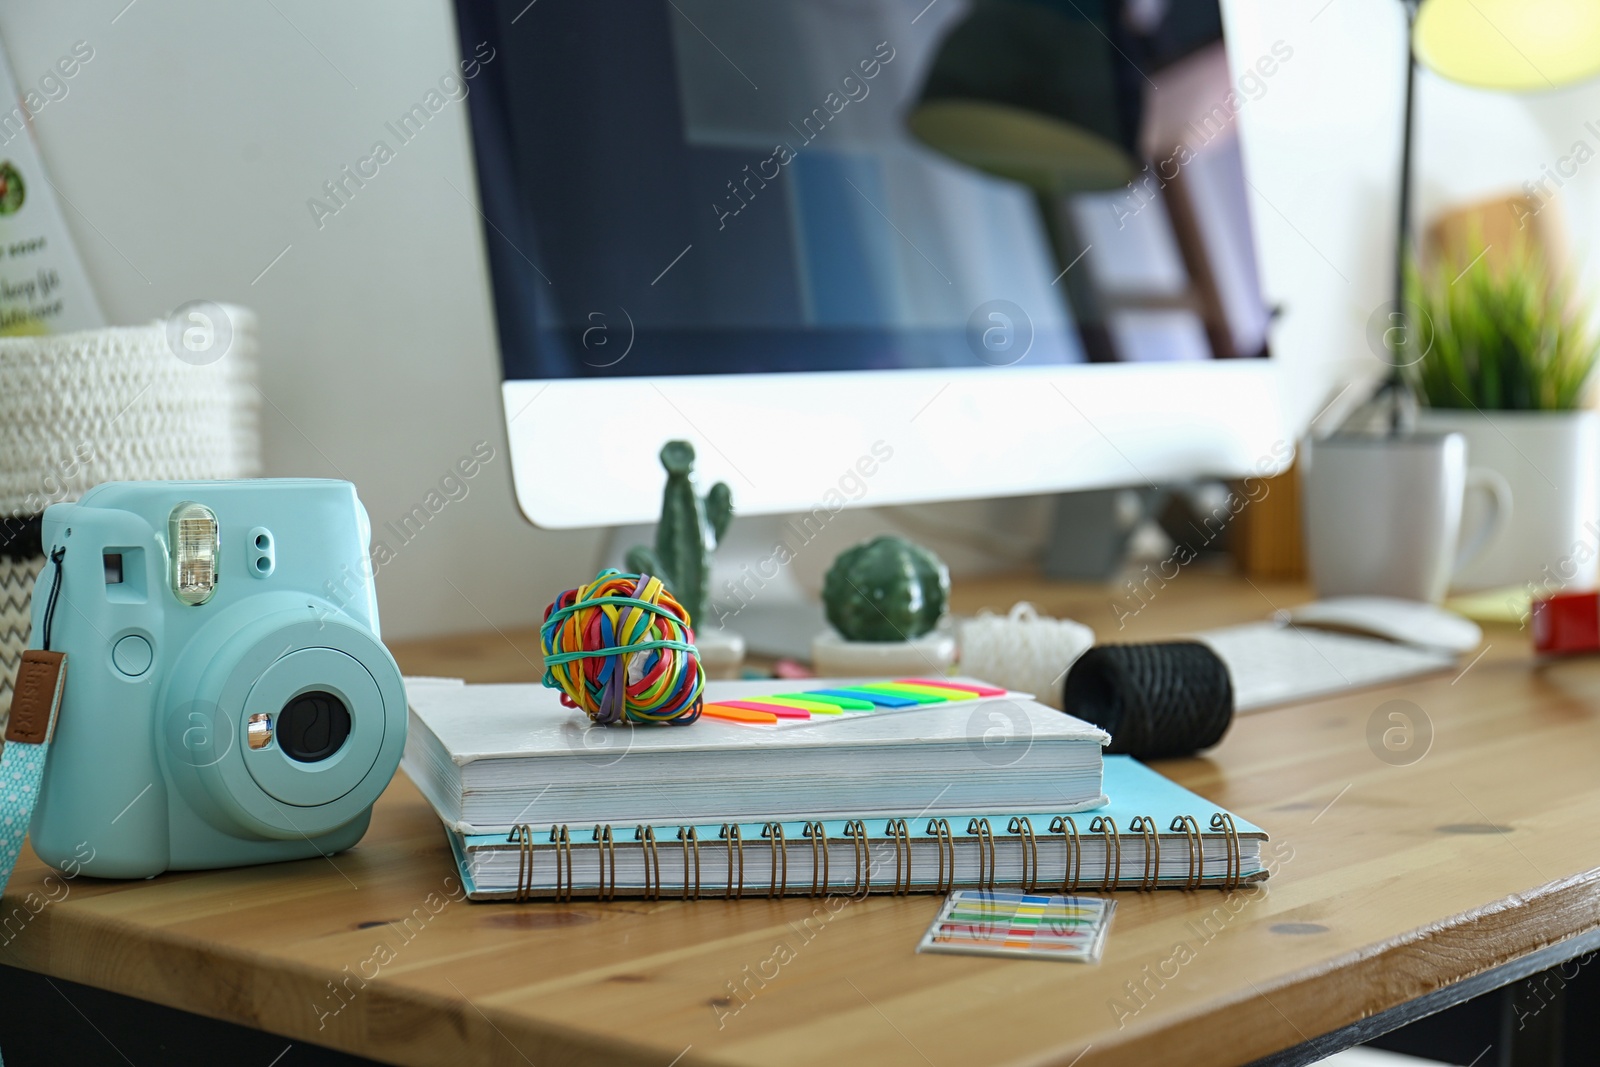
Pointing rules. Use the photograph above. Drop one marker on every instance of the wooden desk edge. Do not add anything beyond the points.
(1405, 969)
(1487, 939)
(267, 994)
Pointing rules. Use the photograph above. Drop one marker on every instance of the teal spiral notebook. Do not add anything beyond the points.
(1154, 834)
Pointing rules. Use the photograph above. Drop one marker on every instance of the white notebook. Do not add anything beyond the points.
(490, 757)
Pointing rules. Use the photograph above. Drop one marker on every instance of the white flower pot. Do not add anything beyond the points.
(1551, 460)
(834, 657)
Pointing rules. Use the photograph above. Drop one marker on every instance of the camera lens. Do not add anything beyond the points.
(312, 726)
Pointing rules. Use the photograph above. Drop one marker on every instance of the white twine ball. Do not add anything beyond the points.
(1023, 650)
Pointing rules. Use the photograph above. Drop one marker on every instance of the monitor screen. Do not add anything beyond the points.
(715, 187)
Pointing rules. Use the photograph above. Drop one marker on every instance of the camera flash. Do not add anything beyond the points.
(192, 531)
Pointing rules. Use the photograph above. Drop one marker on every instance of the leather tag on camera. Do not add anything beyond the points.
(36, 697)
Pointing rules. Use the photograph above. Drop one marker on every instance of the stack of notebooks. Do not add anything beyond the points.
(964, 787)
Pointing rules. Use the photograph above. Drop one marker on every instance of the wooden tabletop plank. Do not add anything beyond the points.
(1391, 880)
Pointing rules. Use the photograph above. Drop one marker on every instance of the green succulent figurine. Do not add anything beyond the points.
(886, 589)
(689, 530)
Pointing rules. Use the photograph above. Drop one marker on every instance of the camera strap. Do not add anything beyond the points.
(35, 703)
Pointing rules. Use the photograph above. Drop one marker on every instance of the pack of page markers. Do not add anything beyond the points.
(994, 922)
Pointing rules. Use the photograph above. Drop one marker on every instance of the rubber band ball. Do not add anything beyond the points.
(620, 648)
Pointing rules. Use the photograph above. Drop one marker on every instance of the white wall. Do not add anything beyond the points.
(1321, 144)
(188, 147)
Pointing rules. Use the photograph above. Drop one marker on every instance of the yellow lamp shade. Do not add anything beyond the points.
(1515, 45)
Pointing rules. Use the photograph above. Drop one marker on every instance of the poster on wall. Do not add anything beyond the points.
(43, 288)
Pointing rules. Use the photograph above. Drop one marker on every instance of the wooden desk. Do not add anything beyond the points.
(1394, 882)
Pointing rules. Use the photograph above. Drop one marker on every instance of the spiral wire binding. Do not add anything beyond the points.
(1106, 826)
(1186, 825)
(856, 831)
(522, 837)
(730, 834)
(817, 833)
(778, 884)
(1021, 827)
(900, 837)
(1143, 824)
(1220, 822)
(608, 852)
(563, 849)
(980, 828)
(690, 837)
(940, 829)
(646, 836)
(1072, 871)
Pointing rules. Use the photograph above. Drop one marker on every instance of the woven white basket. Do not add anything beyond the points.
(107, 405)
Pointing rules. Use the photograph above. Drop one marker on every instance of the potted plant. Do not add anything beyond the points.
(1504, 355)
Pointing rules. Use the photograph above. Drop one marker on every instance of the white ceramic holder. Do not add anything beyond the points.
(834, 657)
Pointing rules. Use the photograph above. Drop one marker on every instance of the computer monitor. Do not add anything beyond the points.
(866, 251)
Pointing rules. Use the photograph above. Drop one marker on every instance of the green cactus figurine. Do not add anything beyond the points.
(886, 589)
(690, 528)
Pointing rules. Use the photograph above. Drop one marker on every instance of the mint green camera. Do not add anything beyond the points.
(227, 698)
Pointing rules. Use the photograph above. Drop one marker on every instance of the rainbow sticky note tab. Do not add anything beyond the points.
(766, 707)
(906, 692)
(970, 687)
(936, 692)
(999, 923)
(824, 696)
(882, 700)
(747, 716)
(803, 703)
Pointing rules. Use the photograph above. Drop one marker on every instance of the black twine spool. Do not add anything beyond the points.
(1158, 700)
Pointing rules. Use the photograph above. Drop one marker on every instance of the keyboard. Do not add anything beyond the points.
(1273, 663)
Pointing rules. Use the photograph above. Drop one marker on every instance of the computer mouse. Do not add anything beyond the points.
(1405, 622)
